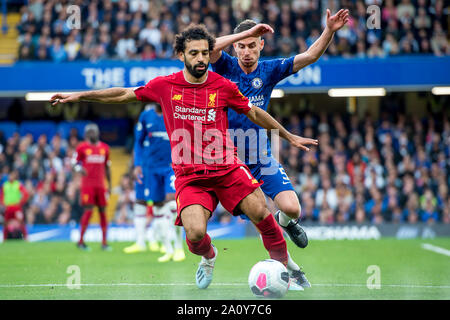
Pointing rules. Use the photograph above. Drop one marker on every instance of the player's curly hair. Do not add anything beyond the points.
(193, 32)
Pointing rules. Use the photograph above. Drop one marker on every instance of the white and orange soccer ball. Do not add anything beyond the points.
(269, 279)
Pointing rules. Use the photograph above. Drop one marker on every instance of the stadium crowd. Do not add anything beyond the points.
(364, 170)
(45, 169)
(392, 169)
(144, 29)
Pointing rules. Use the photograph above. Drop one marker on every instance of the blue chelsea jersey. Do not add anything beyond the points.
(151, 144)
(257, 86)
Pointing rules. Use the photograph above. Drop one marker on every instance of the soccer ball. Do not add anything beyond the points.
(269, 278)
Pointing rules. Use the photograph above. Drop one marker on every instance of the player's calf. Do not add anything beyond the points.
(254, 206)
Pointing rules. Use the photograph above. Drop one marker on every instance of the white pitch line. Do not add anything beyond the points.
(214, 284)
(436, 249)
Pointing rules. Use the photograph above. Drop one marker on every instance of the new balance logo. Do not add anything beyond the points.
(176, 97)
(211, 115)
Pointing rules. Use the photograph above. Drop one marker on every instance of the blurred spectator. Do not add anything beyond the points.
(57, 51)
(124, 206)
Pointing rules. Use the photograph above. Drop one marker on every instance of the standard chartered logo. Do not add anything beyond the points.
(211, 115)
(194, 114)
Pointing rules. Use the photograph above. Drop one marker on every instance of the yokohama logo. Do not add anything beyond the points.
(211, 115)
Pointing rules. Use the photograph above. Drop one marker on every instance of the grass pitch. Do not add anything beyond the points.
(336, 270)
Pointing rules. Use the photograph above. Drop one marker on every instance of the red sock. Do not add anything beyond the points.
(202, 247)
(273, 239)
(84, 223)
(104, 226)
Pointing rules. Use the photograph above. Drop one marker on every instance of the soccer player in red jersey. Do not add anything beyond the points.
(92, 160)
(194, 103)
(13, 195)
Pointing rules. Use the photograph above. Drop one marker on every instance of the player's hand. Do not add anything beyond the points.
(138, 174)
(302, 143)
(64, 98)
(337, 21)
(259, 30)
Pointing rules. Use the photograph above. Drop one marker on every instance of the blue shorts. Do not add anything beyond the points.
(274, 177)
(156, 183)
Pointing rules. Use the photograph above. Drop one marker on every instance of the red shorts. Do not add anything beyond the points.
(228, 186)
(94, 196)
(14, 212)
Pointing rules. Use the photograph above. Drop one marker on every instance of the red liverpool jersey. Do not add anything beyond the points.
(93, 158)
(195, 116)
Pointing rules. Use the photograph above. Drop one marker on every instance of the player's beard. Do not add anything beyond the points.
(249, 63)
(93, 139)
(194, 71)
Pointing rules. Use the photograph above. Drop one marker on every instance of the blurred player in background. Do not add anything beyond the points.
(194, 103)
(155, 181)
(13, 196)
(256, 80)
(92, 161)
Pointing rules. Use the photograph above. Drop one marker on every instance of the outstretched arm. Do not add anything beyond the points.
(265, 120)
(334, 23)
(224, 41)
(111, 95)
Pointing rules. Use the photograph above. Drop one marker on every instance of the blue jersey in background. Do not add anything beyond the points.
(152, 145)
(152, 152)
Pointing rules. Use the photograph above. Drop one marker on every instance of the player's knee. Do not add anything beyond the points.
(293, 210)
(260, 212)
(195, 233)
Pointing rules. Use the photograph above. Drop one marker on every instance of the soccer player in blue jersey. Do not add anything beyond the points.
(256, 80)
(155, 181)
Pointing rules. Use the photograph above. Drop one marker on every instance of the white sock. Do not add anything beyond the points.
(151, 233)
(140, 220)
(178, 238)
(156, 232)
(291, 265)
(168, 233)
(169, 211)
(284, 219)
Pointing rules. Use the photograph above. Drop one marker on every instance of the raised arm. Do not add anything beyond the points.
(224, 41)
(111, 95)
(334, 23)
(265, 120)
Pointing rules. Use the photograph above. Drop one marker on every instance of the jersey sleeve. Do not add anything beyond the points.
(107, 158)
(151, 91)
(79, 154)
(139, 136)
(236, 100)
(222, 65)
(280, 69)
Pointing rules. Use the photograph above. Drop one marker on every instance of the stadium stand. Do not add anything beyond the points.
(144, 30)
(393, 169)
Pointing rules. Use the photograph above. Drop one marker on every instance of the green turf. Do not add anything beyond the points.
(336, 269)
